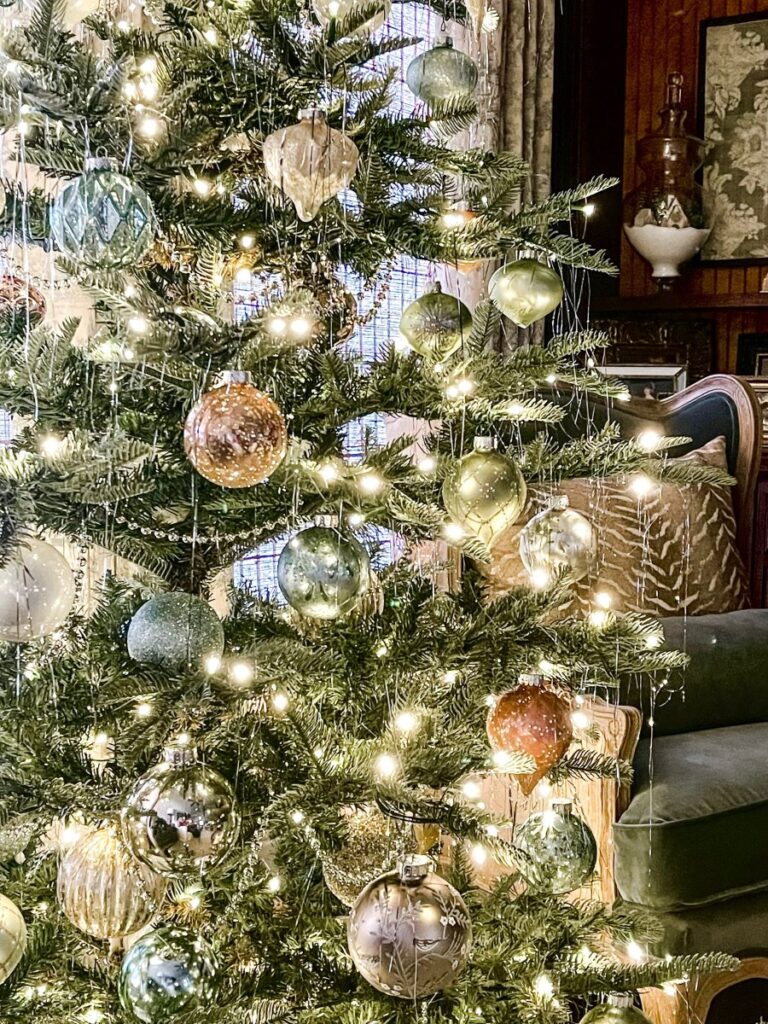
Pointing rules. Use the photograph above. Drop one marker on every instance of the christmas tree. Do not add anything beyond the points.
(193, 798)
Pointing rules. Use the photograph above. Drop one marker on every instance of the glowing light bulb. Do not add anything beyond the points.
(212, 664)
(599, 618)
(544, 789)
(150, 127)
(328, 472)
(465, 385)
(280, 702)
(407, 722)
(478, 854)
(515, 409)
(501, 758)
(241, 672)
(123, 25)
(297, 817)
(333, 9)
(130, 291)
(653, 641)
(540, 579)
(148, 89)
(603, 599)
(138, 325)
(546, 667)
(243, 276)
(370, 483)
(635, 952)
(427, 465)
(211, 35)
(471, 790)
(274, 884)
(641, 486)
(451, 676)
(386, 766)
(355, 519)
(148, 66)
(551, 378)
(401, 343)
(51, 445)
(649, 440)
(544, 987)
(300, 327)
(580, 720)
(93, 1016)
(277, 325)
(588, 209)
(453, 532)
(202, 186)
(246, 241)
(183, 739)
(143, 710)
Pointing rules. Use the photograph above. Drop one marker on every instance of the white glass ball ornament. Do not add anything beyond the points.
(37, 591)
(525, 290)
(13, 937)
(556, 538)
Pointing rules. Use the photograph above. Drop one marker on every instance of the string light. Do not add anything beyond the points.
(183, 739)
(93, 1015)
(51, 445)
(297, 817)
(471, 790)
(202, 186)
(649, 440)
(451, 676)
(246, 242)
(580, 720)
(386, 766)
(150, 126)
(603, 599)
(427, 465)
(599, 618)
(543, 986)
(635, 952)
(355, 519)
(540, 579)
(138, 325)
(641, 486)
(280, 702)
(370, 483)
(212, 664)
(143, 710)
(453, 532)
(148, 66)
(240, 672)
(274, 884)
(211, 35)
(478, 854)
(328, 472)
(407, 722)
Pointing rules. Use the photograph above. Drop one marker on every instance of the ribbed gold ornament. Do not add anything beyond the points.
(103, 891)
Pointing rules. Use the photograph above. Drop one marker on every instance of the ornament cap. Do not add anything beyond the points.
(328, 521)
(100, 163)
(414, 867)
(227, 377)
(180, 754)
(527, 254)
(444, 40)
(530, 679)
(312, 114)
(562, 806)
(558, 501)
(621, 1000)
(484, 443)
(434, 289)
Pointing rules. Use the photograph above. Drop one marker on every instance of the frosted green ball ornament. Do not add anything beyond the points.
(525, 291)
(13, 937)
(484, 492)
(442, 74)
(175, 631)
(103, 219)
(167, 972)
(559, 850)
(323, 573)
(556, 538)
(435, 324)
(618, 1008)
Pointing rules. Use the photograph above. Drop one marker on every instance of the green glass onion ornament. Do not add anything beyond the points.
(323, 573)
(559, 850)
(525, 291)
(175, 631)
(167, 972)
(618, 1008)
(442, 74)
(484, 492)
(556, 538)
(103, 219)
(436, 323)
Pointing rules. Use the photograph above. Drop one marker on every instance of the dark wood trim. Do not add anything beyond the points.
(672, 303)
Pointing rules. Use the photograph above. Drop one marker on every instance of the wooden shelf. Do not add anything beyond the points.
(674, 303)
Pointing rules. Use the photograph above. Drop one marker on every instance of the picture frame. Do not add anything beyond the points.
(760, 388)
(733, 70)
(644, 381)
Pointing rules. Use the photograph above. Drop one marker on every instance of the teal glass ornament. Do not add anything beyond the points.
(618, 1008)
(323, 573)
(181, 815)
(442, 75)
(103, 219)
(484, 492)
(167, 972)
(559, 850)
(435, 324)
(175, 631)
(525, 291)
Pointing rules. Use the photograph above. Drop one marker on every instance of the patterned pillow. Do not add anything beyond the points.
(671, 551)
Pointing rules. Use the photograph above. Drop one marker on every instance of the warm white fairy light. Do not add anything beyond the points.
(211, 35)
(580, 720)
(551, 378)
(274, 884)
(427, 465)
(370, 483)
(453, 532)
(544, 987)
(333, 9)
(113, 387)
(130, 291)
(624, 396)
(588, 209)
(240, 672)
(138, 324)
(599, 618)
(603, 599)
(184, 739)
(501, 759)
(123, 25)
(654, 640)
(277, 325)
(328, 472)
(386, 766)
(212, 664)
(202, 186)
(148, 66)
(300, 327)
(143, 709)
(382, 650)
(641, 485)
(478, 854)
(515, 409)
(51, 445)
(407, 722)
(492, 831)
(635, 952)
(544, 789)
(401, 343)
(150, 126)
(93, 1015)
(451, 676)
(471, 790)
(650, 439)
(355, 519)
(546, 667)
(246, 242)
(297, 817)
(540, 579)
(280, 702)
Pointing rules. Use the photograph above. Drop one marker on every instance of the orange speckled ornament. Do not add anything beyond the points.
(531, 720)
(235, 436)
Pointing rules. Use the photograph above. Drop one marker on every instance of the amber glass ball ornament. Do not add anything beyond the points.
(235, 436)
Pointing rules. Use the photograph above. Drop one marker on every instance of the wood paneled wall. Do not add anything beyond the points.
(663, 36)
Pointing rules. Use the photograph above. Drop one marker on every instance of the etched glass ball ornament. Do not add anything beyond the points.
(556, 538)
(559, 850)
(323, 573)
(181, 815)
(310, 161)
(436, 323)
(618, 1008)
(175, 631)
(103, 890)
(13, 937)
(338, 10)
(409, 932)
(484, 491)
(525, 290)
(235, 436)
(442, 74)
(169, 971)
(37, 592)
(103, 219)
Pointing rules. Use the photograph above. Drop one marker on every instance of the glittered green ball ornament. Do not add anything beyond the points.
(175, 631)
(484, 491)
(103, 219)
(442, 74)
(436, 323)
(322, 572)
(558, 537)
(618, 1008)
(559, 850)
(525, 291)
(167, 972)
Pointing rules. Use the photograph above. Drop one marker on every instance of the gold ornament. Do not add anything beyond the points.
(310, 161)
(484, 492)
(235, 436)
(103, 891)
(13, 937)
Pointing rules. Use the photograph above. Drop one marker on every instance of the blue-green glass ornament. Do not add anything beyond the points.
(436, 323)
(103, 219)
(167, 972)
(559, 850)
(618, 1008)
(525, 290)
(175, 631)
(322, 572)
(442, 74)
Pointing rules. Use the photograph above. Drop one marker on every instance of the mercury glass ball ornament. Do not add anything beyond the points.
(436, 323)
(103, 219)
(556, 538)
(167, 972)
(525, 291)
(323, 573)
(103, 891)
(181, 815)
(37, 591)
(484, 491)
(235, 436)
(19, 299)
(442, 74)
(559, 849)
(13, 937)
(618, 1008)
(175, 631)
(409, 932)
(338, 10)
(310, 161)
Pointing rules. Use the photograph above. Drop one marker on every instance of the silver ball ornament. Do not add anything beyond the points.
(37, 591)
(559, 850)
(409, 932)
(180, 815)
(556, 538)
(174, 631)
(525, 291)
(442, 74)
(323, 573)
(484, 492)
(435, 324)
(13, 937)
